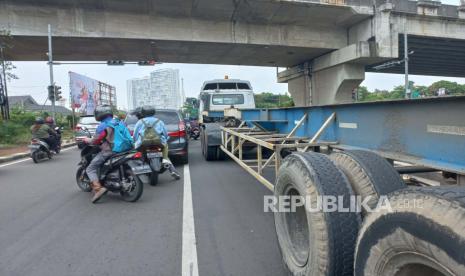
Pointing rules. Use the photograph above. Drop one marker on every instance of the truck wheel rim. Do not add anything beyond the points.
(416, 264)
(297, 228)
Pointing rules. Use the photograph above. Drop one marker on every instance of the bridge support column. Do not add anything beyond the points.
(331, 78)
(336, 84)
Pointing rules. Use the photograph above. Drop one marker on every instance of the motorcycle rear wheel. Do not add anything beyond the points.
(82, 180)
(136, 190)
(34, 157)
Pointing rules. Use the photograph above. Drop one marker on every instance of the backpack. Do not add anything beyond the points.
(150, 137)
(122, 140)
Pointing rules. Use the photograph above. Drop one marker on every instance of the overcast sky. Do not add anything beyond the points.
(34, 77)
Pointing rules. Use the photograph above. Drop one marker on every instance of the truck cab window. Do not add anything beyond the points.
(227, 86)
(243, 86)
(231, 99)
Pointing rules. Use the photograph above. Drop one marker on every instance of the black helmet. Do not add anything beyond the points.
(39, 120)
(147, 111)
(102, 111)
(137, 112)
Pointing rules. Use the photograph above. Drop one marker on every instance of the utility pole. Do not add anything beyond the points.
(50, 64)
(6, 106)
(407, 90)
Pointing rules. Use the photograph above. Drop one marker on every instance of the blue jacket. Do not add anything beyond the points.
(140, 128)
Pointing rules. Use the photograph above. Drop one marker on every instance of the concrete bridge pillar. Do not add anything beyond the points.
(331, 78)
(336, 84)
(299, 81)
(329, 86)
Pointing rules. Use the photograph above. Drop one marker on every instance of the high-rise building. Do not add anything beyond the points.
(139, 92)
(161, 89)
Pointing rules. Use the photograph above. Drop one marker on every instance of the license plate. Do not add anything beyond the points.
(142, 169)
(34, 146)
(154, 154)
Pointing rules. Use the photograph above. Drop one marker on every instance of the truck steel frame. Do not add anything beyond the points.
(429, 133)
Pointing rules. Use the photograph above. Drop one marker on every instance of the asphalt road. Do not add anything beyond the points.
(49, 227)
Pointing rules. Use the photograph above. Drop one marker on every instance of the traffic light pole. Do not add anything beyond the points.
(50, 64)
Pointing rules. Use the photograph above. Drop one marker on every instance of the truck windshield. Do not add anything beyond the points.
(229, 99)
(226, 86)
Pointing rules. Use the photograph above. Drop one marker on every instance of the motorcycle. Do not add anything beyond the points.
(119, 174)
(194, 132)
(153, 156)
(40, 150)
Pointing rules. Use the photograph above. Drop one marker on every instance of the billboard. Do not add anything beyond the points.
(87, 93)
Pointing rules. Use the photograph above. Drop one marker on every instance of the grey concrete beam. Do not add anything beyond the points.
(31, 21)
(363, 52)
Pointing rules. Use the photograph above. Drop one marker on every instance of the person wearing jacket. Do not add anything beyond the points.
(56, 135)
(42, 131)
(146, 116)
(104, 138)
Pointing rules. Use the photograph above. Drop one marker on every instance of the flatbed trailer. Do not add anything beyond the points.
(349, 150)
(427, 133)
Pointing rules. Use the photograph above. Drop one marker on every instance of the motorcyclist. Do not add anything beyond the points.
(104, 138)
(146, 116)
(51, 123)
(42, 131)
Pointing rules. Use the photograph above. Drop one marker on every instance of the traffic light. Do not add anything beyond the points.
(146, 63)
(58, 93)
(115, 62)
(51, 92)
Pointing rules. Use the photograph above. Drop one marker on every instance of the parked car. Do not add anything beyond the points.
(178, 148)
(85, 125)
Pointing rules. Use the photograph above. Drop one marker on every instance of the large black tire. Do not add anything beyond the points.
(423, 234)
(315, 242)
(369, 174)
(82, 180)
(138, 188)
(211, 153)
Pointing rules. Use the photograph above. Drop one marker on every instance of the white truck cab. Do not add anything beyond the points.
(220, 94)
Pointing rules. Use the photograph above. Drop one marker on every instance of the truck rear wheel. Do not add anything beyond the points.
(211, 153)
(315, 242)
(423, 234)
(369, 174)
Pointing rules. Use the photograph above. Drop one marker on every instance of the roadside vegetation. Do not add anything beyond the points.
(270, 100)
(418, 91)
(16, 131)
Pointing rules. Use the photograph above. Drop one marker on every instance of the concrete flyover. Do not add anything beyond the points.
(327, 45)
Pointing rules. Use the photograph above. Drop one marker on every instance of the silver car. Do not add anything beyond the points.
(86, 127)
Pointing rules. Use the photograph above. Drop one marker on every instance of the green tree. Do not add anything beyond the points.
(452, 88)
(6, 42)
(190, 108)
(270, 100)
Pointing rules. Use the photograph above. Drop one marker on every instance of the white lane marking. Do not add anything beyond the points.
(189, 244)
(29, 158)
